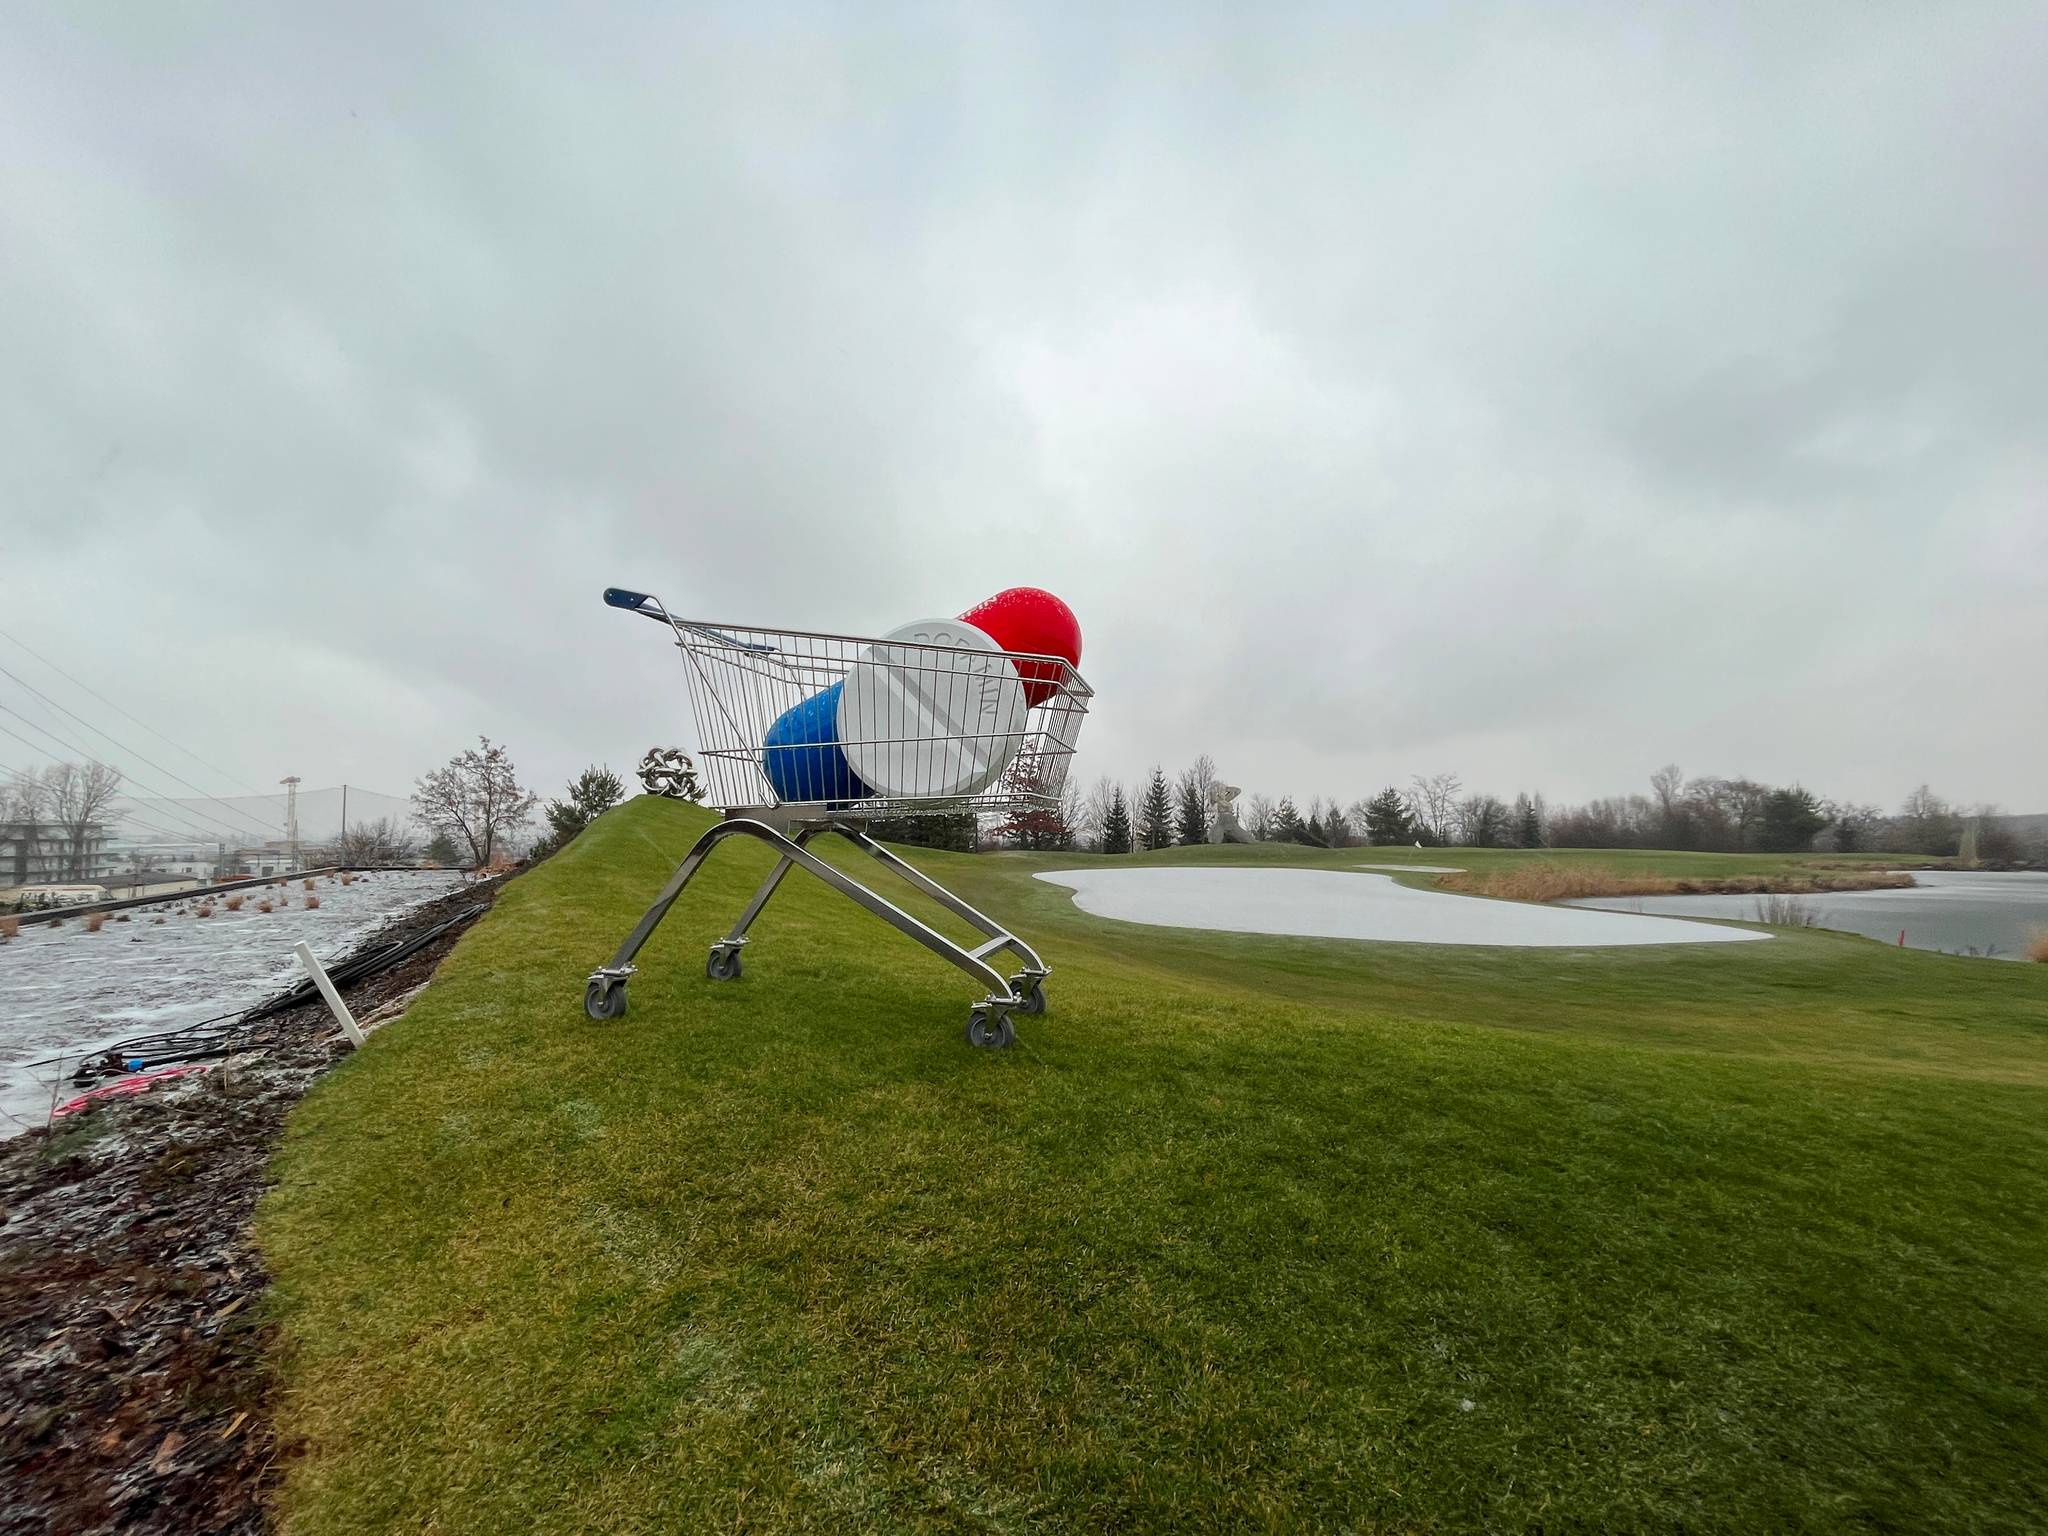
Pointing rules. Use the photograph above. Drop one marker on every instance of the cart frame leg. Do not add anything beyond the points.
(1000, 938)
(611, 978)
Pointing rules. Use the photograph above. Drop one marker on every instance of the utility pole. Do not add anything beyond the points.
(291, 818)
(344, 818)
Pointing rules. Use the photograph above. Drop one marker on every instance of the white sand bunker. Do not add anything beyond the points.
(1329, 904)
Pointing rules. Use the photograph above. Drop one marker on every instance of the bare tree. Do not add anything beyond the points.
(1258, 817)
(476, 798)
(1355, 818)
(382, 841)
(1668, 785)
(22, 809)
(1094, 811)
(1433, 802)
(1482, 822)
(78, 796)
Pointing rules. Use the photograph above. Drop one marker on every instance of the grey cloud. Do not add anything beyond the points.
(1539, 394)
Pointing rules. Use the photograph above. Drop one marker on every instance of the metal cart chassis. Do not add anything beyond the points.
(789, 830)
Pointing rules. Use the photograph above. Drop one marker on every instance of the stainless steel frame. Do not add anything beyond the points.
(743, 678)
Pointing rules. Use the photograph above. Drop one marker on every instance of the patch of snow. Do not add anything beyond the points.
(1331, 904)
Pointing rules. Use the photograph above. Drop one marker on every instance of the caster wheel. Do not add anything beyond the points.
(724, 965)
(605, 1000)
(1031, 991)
(989, 1031)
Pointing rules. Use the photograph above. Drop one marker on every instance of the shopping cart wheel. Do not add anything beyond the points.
(605, 1000)
(989, 1030)
(724, 965)
(1031, 991)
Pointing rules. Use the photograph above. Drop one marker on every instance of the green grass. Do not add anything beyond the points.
(1714, 1237)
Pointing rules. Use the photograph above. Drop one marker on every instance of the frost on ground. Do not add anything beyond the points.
(68, 991)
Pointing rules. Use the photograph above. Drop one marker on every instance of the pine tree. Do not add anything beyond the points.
(1386, 819)
(1155, 816)
(1288, 827)
(1116, 824)
(1528, 823)
(1193, 815)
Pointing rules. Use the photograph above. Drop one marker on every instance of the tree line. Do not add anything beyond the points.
(1709, 813)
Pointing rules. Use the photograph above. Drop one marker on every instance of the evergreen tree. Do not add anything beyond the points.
(443, 852)
(1528, 823)
(1155, 816)
(1116, 824)
(1791, 817)
(1193, 813)
(591, 793)
(1288, 827)
(1386, 818)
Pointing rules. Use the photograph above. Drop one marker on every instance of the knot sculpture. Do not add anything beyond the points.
(668, 772)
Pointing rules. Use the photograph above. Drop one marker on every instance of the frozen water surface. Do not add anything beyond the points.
(1330, 904)
(66, 990)
(1958, 910)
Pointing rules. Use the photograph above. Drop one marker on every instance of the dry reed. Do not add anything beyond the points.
(204, 909)
(312, 902)
(265, 906)
(2037, 946)
(95, 921)
(10, 925)
(1553, 880)
(234, 903)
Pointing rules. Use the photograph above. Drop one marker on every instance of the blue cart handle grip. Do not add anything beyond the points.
(619, 597)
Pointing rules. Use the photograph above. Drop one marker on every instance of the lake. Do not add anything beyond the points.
(1954, 910)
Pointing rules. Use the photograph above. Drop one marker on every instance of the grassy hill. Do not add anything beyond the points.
(1247, 1233)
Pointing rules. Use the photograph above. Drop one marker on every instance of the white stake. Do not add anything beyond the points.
(318, 972)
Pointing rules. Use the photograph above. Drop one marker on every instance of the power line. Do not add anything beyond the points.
(159, 767)
(117, 709)
(69, 747)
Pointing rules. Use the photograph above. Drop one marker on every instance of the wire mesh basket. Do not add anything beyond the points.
(931, 720)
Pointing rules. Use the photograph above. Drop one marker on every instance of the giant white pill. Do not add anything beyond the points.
(932, 709)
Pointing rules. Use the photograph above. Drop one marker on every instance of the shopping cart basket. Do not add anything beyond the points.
(803, 734)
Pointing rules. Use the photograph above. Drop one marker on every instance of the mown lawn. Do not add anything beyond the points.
(1246, 1234)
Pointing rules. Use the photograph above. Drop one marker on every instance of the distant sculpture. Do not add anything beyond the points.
(1223, 825)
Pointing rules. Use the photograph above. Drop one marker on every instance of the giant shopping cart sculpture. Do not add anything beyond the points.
(802, 734)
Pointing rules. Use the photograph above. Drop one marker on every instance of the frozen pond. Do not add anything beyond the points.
(1330, 904)
(1948, 909)
(67, 990)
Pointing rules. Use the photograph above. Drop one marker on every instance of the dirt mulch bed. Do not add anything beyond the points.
(133, 1390)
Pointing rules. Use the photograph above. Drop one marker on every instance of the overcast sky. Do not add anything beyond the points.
(1542, 394)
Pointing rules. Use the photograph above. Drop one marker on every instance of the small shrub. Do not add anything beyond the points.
(309, 885)
(265, 905)
(234, 903)
(2037, 947)
(1786, 912)
(204, 909)
(10, 925)
(95, 921)
(121, 917)
(312, 902)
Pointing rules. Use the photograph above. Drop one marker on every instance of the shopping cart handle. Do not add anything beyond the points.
(619, 597)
